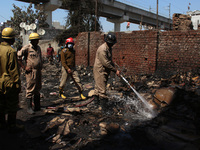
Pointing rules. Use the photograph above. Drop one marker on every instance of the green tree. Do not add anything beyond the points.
(81, 18)
(29, 16)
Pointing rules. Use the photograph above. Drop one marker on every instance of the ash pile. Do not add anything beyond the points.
(172, 123)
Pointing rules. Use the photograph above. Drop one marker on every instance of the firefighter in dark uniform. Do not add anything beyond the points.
(10, 84)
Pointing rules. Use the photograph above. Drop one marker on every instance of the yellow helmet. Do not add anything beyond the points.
(34, 36)
(8, 33)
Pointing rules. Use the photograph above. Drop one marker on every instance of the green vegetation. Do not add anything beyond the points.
(81, 18)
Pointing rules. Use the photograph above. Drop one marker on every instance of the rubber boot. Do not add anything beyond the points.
(2, 121)
(12, 126)
(29, 108)
(61, 93)
(37, 102)
(83, 97)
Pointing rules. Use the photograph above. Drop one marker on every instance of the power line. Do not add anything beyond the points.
(144, 7)
(174, 6)
(3, 17)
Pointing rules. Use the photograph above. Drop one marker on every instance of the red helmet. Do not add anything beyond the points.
(69, 40)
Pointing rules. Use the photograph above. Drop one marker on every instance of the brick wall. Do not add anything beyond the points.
(86, 45)
(136, 51)
(81, 47)
(179, 51)
(144, 52)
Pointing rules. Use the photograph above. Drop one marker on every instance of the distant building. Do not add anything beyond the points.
(195, 18)
(57, 25)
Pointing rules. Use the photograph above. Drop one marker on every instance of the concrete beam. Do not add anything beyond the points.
(115, 9)
(52, 5)
(112, 9)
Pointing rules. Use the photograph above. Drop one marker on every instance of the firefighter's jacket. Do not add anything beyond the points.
(32, 56)
(68, 58)
(103, 61)
(9, 70)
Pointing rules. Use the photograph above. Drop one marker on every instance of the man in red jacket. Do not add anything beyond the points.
(50, 52)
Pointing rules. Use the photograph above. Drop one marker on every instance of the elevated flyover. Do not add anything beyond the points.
(115, 12)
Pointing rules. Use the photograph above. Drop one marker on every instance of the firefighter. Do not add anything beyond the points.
(10, 84)
(69, 68)
(103, 65)
(33, 66)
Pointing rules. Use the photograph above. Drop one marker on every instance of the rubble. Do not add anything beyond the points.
(163, 97)
(125, 125)
(182, 22)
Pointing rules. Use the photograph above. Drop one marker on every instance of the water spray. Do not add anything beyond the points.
(148, 106)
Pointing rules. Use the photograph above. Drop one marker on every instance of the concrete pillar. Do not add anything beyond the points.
(49, 18)
(117, 22)
(49, 8)
(117, 26)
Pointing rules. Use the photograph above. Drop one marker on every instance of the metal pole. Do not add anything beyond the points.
(169, 16)
(157, 17)
(141, 22)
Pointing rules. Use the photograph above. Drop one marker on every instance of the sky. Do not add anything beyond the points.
(176, 6)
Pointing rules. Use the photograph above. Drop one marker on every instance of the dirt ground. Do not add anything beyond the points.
(128, 124)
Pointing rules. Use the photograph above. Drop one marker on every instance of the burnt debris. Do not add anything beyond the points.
(125, 124)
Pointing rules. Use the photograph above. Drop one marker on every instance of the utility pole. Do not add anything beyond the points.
(157, 17)
(141, 22)
(150, 8)
(157, 39)
(169, 16)
(96, 16)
